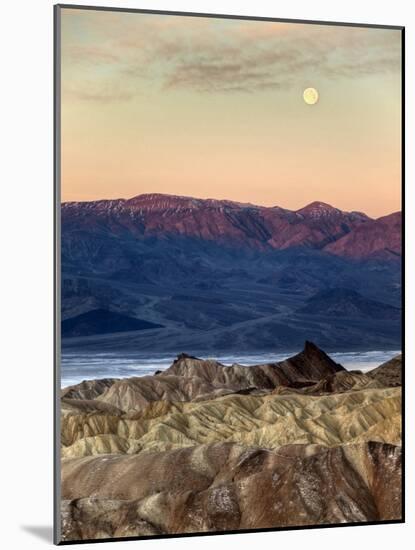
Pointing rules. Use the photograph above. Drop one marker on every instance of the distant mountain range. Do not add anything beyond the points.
(317, 226)
(220, 275)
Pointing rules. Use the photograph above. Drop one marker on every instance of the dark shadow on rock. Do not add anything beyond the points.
(43, 532)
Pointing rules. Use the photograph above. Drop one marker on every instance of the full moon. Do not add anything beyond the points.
(310, 96)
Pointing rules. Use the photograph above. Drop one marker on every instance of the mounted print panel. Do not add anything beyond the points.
(229, 269)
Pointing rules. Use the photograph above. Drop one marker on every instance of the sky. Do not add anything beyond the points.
(213, 108)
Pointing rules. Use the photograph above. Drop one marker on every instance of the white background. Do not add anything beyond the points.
(26, 305)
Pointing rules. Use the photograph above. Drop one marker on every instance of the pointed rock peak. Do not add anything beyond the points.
(312, 351)
(312, 354)
(310, 347)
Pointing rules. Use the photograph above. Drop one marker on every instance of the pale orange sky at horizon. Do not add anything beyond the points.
(213, 108)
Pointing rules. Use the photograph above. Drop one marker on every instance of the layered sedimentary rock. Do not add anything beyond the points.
(226, 486)
(389, 373)
(261, 420)
(88, 389)
(208, 447)
(190, 378)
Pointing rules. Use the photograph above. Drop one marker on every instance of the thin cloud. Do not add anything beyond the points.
(215, 56)
(102, 92)
(280, 62)
(91, 55)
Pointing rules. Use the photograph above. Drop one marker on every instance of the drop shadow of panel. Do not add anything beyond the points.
(42, 532)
